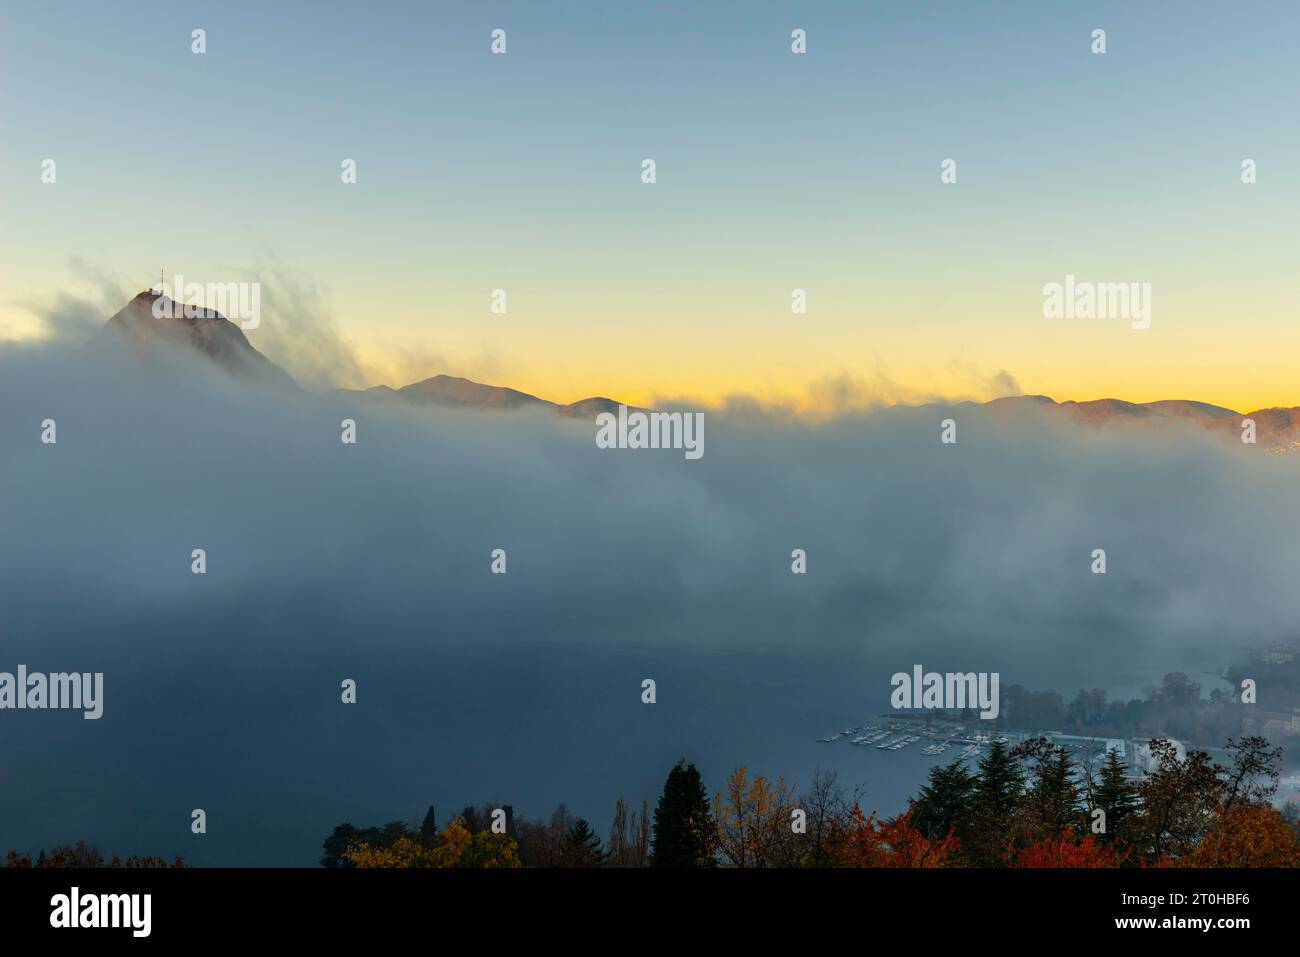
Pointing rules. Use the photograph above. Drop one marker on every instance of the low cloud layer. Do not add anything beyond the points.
(328, 561)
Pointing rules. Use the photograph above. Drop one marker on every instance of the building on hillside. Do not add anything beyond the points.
(1144, 761)
(1274, 723)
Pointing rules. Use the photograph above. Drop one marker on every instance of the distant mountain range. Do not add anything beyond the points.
(1276, 429)
(215, 337)
(452, 392)
(224, 343)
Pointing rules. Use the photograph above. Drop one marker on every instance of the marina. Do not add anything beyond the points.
(940, 737)
(897, 735)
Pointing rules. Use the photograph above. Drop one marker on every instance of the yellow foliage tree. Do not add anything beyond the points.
(455, 847)
(753, 821)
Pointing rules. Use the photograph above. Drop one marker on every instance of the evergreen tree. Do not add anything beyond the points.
(429, 827)
(336, 845)
(581, 847)
(944, 804)
(1056, 794)
(999, 783)
(1114, 795)
(683, 830)
(995, 808)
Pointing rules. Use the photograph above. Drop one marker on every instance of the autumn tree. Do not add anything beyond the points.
(345, 834)
(1246, 835)
(1179, 800)
(827, 803)
(1291, 815)
(1064, 849)
(753, 821)
(456, 846)
(82, 855)
(628, 836)
(862, 840)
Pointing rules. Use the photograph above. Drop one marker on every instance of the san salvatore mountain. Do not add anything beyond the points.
(153, 340)
(218, 340)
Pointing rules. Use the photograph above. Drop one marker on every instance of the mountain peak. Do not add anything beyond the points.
(152, 323)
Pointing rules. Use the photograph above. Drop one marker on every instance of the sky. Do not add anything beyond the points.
(775, 171)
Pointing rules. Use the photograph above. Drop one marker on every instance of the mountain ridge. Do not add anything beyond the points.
(224, 343)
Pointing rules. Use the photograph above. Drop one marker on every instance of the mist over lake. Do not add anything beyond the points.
(372, 562)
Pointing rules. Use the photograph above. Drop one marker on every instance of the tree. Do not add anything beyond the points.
(863, 841)
(629, 835)
(429, 826)
(1254, 774)
(1246, 835)
(456, 846)
(1291, 816)
(641, 836)
(1115, 796)
(344, 835)
(1052, 802)
(944, 804)
(999, 783)
(827, 805)
(617, 852)
(81, 855)
(753, 822)
(1179, 802)
(581, 847)
(1063, 850)
(683, 829)
(999, 787)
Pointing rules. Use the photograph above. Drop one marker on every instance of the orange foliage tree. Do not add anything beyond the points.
(862, 840)
(1063, 850)
(1247, 835)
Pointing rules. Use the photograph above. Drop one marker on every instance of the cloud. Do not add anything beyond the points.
(371, 561)
(299, 331)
